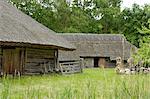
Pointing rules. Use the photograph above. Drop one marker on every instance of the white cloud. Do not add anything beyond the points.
(128, 3)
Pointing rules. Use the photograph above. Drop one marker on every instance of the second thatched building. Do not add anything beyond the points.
(96, 49)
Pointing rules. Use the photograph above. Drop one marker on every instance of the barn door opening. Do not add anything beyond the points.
(12, 60)
(96, 62)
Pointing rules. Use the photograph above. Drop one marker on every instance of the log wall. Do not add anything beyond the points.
(0, 59)
(39, 61)
(88, 62)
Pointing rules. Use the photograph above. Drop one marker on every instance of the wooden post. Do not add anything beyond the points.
(22, 60)
(61, 69)
(56, 60)
(81, 64)
(41, 68)
(45, 68)
(25, 59)
(1, 54)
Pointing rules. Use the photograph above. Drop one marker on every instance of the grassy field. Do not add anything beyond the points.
(92, 84)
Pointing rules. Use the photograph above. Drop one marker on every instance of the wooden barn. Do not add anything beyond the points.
(27, 46)
(96, 49)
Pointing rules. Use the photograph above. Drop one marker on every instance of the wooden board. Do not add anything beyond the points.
(12, 60)
(0, 59)
(102, 62)
(39, 60)
(70, 67)
(8, 61)
(0, 51)
(38, 53)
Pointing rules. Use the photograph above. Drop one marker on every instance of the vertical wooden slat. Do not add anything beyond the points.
(56, 59)
(23, 57)
(16, 60)
(26, 52)
(21, 60)
(70, 67)
(0, 59)
(12, 70)
(7, 61)
(13, 60)
(102, 62)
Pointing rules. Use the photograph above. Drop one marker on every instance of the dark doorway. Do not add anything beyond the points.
(96, 62)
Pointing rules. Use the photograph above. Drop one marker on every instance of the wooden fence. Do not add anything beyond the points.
(71, 67)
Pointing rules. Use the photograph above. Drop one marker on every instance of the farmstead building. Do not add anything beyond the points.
(96, 49)
(26, 46)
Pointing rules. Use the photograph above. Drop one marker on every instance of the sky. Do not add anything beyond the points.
(128, 3)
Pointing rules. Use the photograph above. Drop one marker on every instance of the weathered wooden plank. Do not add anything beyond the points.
(32, 64)
(0, 51)
(35, 60)
(22, 57)
(16, 59)
(12, 60)
(30, 73)
(32, 70)
(45, 67)
(39, 60)
(70, 67)
(0, 63)
(42, 69)
(43, 53)
(39, 56)
(7, 63)
(39, 51)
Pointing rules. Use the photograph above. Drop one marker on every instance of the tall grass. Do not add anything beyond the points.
(92, 84)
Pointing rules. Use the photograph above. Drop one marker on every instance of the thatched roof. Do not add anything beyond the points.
(97, 45)
(17, 27)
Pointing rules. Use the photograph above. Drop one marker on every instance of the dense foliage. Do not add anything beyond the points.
(132, 20)
(91, 16)
(143, 53)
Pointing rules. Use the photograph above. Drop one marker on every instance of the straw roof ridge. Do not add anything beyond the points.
(92, 37)
(97, 45)
(89, 34)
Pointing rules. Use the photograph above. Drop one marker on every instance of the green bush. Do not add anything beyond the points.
(143, 53)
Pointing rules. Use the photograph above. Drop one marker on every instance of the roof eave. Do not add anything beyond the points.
(34, 45)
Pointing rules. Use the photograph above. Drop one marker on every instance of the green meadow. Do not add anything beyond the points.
(91, 84)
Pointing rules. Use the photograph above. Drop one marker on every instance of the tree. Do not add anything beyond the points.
(132, 20)
(57, 15)
(144, 50)
(77, 17)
